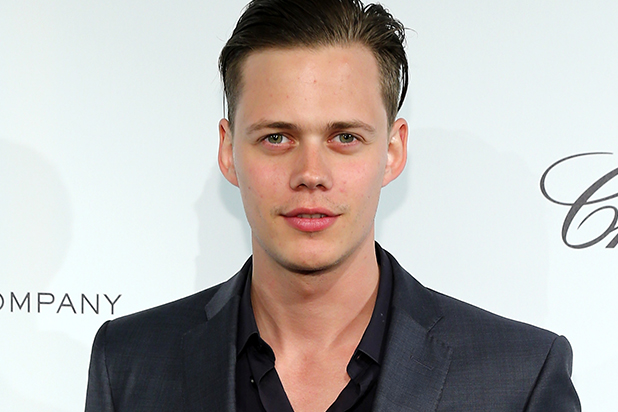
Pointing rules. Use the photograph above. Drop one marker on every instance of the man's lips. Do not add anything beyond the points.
(311, 216)
(310, 213)
(310, 220)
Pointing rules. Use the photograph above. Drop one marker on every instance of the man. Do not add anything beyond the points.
(321, 318)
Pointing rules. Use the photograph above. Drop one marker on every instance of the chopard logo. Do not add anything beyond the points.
(594, 203)
(44, 302)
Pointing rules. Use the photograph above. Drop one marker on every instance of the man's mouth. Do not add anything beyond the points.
(307, 220)
(309, 213)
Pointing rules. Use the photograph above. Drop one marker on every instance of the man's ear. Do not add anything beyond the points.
(226, 152)
(397, 151)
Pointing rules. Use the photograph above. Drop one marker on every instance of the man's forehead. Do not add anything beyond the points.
(294, 79)
(299, 64)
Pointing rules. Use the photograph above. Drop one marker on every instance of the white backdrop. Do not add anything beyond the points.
(109, 187)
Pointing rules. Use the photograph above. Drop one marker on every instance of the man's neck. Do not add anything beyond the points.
(326, 311)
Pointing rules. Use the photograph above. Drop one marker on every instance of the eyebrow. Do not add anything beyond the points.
(339, 125)
(353, 124)
(266, 124)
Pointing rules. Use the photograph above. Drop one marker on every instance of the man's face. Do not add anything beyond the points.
(310, 151)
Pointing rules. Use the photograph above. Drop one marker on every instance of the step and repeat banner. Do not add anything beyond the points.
(111, 200)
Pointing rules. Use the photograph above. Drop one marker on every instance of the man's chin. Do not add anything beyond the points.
(310, 266)
(307, 270)
(308, 258)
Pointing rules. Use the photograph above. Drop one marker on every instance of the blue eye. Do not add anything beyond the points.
(346, 138)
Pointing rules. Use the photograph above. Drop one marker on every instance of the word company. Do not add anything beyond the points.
(45, 302)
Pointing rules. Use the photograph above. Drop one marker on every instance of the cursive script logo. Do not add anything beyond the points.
(580, 206)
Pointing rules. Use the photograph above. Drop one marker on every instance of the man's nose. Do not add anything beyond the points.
(311, 167)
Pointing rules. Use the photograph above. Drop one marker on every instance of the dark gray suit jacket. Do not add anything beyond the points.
(442, 355)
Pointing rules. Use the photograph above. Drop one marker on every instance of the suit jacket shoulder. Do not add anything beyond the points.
(141, 362)
(499, 360)
(470, 359)
(166, 320)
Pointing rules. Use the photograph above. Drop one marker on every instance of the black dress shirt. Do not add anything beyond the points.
(258, 387)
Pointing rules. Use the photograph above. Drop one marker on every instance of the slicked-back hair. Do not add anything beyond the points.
(267, 24)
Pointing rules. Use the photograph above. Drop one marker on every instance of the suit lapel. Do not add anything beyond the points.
(209, 351)
(414, 369)
(415, 363)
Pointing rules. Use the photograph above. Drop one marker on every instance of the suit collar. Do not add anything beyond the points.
(233, 287)
(415, 364)
(409, 296)
(209, 350)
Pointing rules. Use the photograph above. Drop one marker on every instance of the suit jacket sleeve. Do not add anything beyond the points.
(553, 390)
(99, 393)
